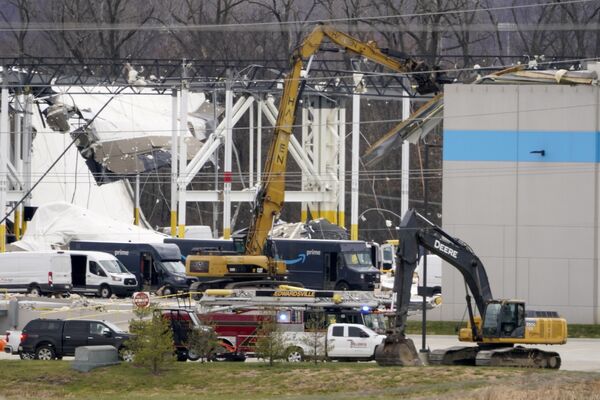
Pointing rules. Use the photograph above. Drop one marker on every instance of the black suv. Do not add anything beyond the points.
(47, 339)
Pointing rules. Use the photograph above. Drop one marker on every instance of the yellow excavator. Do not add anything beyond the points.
(499, 330)
(248, 265)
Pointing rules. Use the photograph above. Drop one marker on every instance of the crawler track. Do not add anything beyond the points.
(521, 357)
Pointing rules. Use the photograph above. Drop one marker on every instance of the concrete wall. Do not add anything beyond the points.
(532, 219)
(21, 310)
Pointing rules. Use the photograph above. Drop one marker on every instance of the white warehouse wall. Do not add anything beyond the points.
(532, 219)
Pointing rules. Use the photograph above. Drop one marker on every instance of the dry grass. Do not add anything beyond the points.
(532, 386)
(251, 381)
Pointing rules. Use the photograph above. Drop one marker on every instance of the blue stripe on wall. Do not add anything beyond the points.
(574, 147)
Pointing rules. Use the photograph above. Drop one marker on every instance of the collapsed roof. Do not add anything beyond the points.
(122, 134)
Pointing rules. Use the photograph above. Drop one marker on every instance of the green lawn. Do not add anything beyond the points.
(251, 380)
(451, 328)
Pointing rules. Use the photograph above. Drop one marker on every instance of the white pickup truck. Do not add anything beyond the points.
(341, 341)
(13, 340)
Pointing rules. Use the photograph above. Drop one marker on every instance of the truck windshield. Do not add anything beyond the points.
(114, 267)
(388, 254)
(113, 327)
(358, 259)
(377, 322)
(174, 266)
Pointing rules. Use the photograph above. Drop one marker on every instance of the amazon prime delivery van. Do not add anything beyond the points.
(35, 272)
(317, 264)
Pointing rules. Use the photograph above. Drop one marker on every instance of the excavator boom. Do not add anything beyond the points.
(270, 195)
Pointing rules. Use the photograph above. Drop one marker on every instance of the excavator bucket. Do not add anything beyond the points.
(397, 351)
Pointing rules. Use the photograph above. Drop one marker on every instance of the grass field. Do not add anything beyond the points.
(248, 381)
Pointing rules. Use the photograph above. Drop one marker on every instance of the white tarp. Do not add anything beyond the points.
(55, 225)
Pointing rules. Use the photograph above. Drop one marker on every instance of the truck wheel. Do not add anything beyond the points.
(342, 286)
(182, 355)
(167, 291)
(126, 354)
(27, 356)
(45, 352)
(105, 292)
(294, 354)
(192, 356)
(35, 291)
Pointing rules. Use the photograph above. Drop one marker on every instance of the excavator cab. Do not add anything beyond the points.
(504, 319)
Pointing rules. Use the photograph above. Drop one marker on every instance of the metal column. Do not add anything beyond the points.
(251, 146)
(174, 165)
(18, 160)
(4, 143)
(404, 194)
(183, 128)
(136, 196)
(355, 156)
(342, 168)
(27, 146)
(259, 141)
(405, 175)
(227, 166)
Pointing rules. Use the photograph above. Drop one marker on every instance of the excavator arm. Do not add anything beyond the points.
(270, 195)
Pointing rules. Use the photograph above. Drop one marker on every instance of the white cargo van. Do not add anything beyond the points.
(102, 274)
(35, 272)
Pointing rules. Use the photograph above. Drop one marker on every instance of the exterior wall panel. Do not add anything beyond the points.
(531, 218)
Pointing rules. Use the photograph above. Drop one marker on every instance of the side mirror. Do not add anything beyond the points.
(106, 333)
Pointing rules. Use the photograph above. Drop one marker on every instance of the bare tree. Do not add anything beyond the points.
(292, 16)
(17, 28)
(200, 43)
(110, 39)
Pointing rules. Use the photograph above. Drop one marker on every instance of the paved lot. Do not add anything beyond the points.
(577, 354)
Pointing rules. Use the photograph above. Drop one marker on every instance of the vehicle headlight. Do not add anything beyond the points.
(116, 278)
(362, 276)
(180, 279)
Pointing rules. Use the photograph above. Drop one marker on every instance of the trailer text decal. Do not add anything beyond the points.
(294, 293)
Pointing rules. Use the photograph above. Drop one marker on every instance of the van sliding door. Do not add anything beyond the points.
(330, 273)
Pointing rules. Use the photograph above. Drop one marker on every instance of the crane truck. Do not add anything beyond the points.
(249, 265)
(502, 325)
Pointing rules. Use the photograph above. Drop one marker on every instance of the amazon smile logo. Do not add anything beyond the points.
(299, 260)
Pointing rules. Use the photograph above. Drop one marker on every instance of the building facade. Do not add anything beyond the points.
(521, 186)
